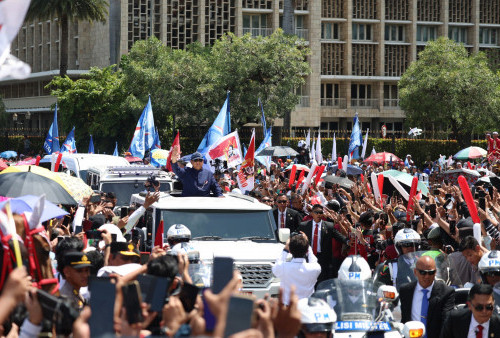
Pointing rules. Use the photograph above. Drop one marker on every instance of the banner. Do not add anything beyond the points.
(246, 175)
(226, 148)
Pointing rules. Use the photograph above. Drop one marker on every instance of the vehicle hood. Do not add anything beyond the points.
(239, 250)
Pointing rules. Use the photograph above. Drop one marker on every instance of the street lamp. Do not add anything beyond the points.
(14, 117)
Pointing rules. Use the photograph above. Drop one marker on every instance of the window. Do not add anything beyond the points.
(391, 97)
(426, 33)
(256, 25)
(330, 94)
(458, 34)
(330, 31)
(361, 32)
(361, 91)
(299, 22)
(365, 125)
(394, 33)
(488, 36)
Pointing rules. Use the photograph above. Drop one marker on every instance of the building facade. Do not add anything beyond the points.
(359, 48)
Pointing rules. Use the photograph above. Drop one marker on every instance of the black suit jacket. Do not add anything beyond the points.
(458, 322)
(441, 302)
(292, 219)
(325, 257)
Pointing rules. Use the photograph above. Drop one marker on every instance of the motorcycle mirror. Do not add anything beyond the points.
(284, 234)
(414, 329)
(388, 293)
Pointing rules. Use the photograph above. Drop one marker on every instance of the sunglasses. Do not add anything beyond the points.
(481, 307)
(266, 201)
(408, 245)
(318, 212)
(426, 272)
(492, 273)
(281, 202)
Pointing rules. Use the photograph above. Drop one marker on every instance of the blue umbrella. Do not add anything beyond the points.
(25, 203)
(8, 154)
(351, 169)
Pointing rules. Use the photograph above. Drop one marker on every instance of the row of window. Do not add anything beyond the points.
(334, 125)
(358, 91)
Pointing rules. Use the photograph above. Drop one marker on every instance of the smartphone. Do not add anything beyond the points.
(102, 303)
(453, 227)
(239, 314)
(272, 178)
(435, 192)
(113, 237)
(87, 225)
(432, 210)
(123, 212)
(222, 273)
(208, 316)
(93, 234)
(482, 203)
(448, 196)
(145, 257)
(132, 300)
(481, 194)
(188, 295)
(446, 182)
(95, 199)
(154, 290)
(448, 201)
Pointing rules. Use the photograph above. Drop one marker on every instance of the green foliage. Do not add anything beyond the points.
(89, 10)
(421, 150)
(97, 105)
(450, 89)
(16, 143)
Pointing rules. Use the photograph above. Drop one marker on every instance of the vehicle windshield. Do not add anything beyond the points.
(352, 300)
(222, 224)
(444, 272)
(124, 190)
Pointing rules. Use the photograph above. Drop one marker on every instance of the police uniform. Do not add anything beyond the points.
(197, 182)
(75, 260)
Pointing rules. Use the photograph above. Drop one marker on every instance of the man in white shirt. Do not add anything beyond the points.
(477, 320)
(302, 271)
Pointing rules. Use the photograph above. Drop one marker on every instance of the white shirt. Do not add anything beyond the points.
(134, 218)
(318, 238)
(279, 218)
(473, 327)
(299, 272)
(416, 305)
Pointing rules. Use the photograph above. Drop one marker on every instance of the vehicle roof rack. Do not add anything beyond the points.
(135, 170)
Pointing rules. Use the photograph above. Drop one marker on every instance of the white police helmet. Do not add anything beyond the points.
(405, 237)
(354, 268)
(489, 263)
(316, 315)
(179, 233)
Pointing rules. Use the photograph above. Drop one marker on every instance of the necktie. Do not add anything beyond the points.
(282, 220)
(315, 239)
(479, 331)
(425, 307)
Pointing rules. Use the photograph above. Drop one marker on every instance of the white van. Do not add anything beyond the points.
(78, 164)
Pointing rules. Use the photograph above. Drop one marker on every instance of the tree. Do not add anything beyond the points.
(66, 10)
(448, 88)
(96, 104)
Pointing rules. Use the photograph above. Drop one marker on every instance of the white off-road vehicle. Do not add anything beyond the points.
(234, 226)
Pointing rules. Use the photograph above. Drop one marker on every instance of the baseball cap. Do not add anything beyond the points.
(196, 156)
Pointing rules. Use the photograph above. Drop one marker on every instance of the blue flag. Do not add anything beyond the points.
(115, 153)
(156, 142)
(263, 118)
(220, 127)
(355, 142)
(267, 142)
(144, 133)
(91, 145)
(69, 145)
(51, 144)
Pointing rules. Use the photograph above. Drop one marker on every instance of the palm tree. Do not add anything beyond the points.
(66, 10)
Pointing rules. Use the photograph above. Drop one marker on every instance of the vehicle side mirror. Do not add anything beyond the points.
(388, 293)
(414, 329)
(283, 234)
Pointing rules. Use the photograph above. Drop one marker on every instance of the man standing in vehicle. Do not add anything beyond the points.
(196, 181)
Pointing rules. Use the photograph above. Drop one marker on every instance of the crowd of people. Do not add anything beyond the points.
(337, 230)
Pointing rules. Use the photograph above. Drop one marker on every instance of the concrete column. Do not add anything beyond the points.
(412, 31)
(381, 38)
(163, 27)
(276, 15)
(314, 78)
(348, 38)
(475, 20)
(239, 18)
(201, 22)
(445, 17)
(123, 28)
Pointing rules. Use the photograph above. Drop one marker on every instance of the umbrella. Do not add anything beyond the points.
(76, 187)
(341, 181)
(27, 203)
(470, 153)
(28, 161)
(381, 158)
(17, 183)
(8, 154)
(133, 159)
(277, 151)
(452, 175)
(159, 157)
(299, 167)
(3, 165)
(351, 169)
(404, 179)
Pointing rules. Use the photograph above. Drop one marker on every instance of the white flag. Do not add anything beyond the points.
(334, 149)
(312, 151)
(373, 151)
(365, 143)
(308, 140)
(319, 156)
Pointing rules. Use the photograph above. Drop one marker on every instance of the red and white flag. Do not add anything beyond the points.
(169, 159)
(246, 175)
(227, 148)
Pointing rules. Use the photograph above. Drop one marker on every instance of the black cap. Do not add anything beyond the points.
(77, 260)
(124, 248)
(97, 220)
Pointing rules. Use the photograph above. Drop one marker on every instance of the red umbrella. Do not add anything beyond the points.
(381, 158)
(3, 165)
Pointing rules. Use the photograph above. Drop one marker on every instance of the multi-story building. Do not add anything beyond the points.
(359, 48)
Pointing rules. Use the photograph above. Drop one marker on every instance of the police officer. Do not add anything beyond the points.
(76, 271)
(489, 268)
(317, 318)
(196, 181)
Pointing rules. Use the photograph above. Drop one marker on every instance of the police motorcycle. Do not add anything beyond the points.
(363, 308)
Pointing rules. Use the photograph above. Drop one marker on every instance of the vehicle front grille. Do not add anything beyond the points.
(256, 275)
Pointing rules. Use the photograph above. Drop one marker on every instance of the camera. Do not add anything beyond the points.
(151, 182)
(219, 166)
